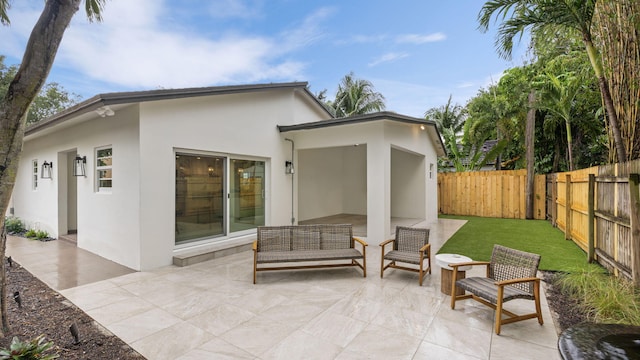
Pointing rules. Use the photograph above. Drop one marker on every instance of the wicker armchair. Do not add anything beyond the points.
(410, 246)
(511, 274)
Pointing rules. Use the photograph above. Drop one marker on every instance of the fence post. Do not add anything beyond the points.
(592, 188)
(554, 200)
(634, 202)
(567, 212)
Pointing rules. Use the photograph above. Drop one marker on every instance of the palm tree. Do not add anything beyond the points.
(447, 116)
(36, 63)
(577, 15)
(558, 96)
(356, 97)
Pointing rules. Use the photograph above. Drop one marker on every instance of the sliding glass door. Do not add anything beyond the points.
(246, 195)
(205, 208)
(200, 198)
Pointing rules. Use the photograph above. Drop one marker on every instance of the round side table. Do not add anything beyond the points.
(446, 272)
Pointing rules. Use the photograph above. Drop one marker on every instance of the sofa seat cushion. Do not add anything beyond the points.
(403, 256)
(487, 289)
(308, 255)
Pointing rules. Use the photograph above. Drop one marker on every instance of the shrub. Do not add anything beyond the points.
(31, 234)
(28, 350)
(13, 225)
(608, 299)
(41, 234)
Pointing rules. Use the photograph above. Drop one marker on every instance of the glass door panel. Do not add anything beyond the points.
(246, 194)
(200, 201)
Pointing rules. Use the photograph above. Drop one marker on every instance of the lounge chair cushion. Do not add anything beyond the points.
(488, 290)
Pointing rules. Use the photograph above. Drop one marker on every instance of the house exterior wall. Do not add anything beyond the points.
(413, 140)
(134, 223)
(326, 149)
(332, 181)
(408, 193)
(107, 223)
(237, 126)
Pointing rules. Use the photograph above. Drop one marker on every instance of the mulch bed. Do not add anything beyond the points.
(46, 312)
(568, 311)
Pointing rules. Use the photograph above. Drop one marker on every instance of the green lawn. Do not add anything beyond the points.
(477, 237)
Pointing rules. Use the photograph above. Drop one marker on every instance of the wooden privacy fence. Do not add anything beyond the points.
(499, 194)
(597, 208)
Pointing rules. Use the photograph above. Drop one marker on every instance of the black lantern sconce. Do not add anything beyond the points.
(46, 171)
(79, 166)
(288, 167)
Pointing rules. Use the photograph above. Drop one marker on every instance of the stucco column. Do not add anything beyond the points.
(378, 192)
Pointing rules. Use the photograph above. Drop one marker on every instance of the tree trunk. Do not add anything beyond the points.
(529, 145)
(611, 113)
(569, 144)
(38, 58)
(3, 281)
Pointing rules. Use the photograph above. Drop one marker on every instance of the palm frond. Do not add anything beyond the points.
(94, 9)
(4, 7)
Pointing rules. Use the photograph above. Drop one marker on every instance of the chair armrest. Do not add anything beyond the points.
(387, 242)
(255, 245)
(362, 242)
(516, 281)
(469, 263)
(425, 247)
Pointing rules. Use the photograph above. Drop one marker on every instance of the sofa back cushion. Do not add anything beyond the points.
(336, 236)
(305, 237)
(274, 238)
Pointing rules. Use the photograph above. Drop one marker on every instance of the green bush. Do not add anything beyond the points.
(28, 350)
(41, 234)
(13, 225)
(31, 234)
(606, 298)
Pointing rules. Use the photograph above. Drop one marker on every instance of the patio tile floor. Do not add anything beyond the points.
(212, 309)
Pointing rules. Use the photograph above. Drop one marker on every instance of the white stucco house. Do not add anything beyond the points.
(143, 176)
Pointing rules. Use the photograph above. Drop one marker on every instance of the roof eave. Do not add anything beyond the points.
(133, 97)
(384, 115)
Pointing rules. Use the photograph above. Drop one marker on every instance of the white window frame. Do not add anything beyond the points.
(34, 174)
(103, 189)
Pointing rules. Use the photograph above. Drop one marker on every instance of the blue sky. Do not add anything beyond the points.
(416, 53)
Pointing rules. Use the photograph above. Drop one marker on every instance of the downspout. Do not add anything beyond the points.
(293, 219)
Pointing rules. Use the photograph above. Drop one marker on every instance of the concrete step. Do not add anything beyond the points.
(210, 252)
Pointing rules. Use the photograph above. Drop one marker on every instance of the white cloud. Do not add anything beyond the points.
(467, 84)
(388, 57)
(362, 39)
(306, 32)
(134, 48)
(400, 39)
(243, 9)
(421, 39)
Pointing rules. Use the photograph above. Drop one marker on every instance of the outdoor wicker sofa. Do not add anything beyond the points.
(325, 245)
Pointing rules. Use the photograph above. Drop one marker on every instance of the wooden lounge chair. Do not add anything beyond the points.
(410, 246)
(511, 274)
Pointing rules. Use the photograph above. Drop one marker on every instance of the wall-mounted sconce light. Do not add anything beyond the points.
(421, 127)
(47, 168)
(431, 171)
(288, 167)
(79, 166)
